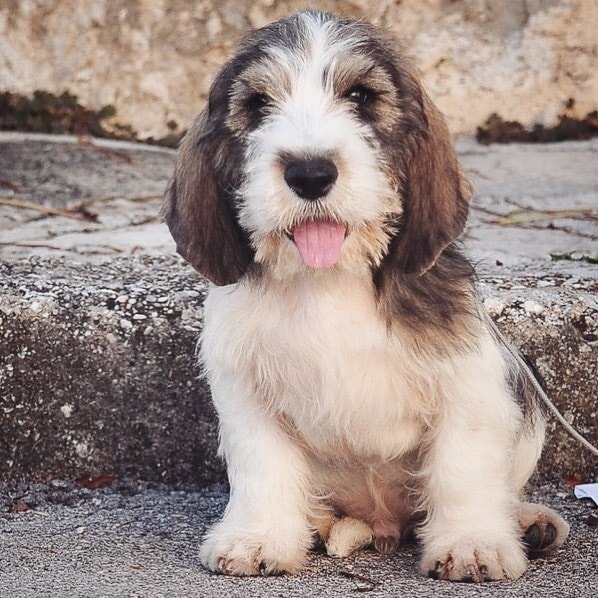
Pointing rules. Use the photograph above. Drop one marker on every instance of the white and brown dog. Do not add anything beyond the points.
(360, 390)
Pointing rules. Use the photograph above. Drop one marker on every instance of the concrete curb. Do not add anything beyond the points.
(97, 367)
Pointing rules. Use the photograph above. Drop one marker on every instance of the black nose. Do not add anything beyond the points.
(311, 179)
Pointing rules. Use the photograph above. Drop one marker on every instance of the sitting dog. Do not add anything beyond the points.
(361, 391)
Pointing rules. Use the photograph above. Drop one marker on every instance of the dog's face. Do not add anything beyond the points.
(318, 149)
(319, 188)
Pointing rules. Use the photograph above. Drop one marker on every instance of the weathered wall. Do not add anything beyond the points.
(154, 59)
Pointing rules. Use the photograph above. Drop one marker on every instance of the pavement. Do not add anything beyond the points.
(123, 184)
(99, 320)
(139, 540)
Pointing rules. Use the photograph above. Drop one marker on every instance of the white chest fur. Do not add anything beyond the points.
(319, 354)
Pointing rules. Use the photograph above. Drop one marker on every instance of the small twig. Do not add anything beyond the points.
(371, 584)
(77, 213)
(134, 198)
(128, 522)
(145, 220)
(486, 211)
(36, 512)
(569, 231)
(517, 204)
(111, 153)
(56, 248)
(31, 245)
(564, 229)
(477, 173)
(522, 216)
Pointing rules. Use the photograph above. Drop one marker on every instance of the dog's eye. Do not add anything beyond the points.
(257, 102)
(359, 95)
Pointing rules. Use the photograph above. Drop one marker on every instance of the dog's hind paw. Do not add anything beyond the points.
(543, 530)
(346, 536)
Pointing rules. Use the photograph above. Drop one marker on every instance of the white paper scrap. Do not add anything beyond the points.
(587, 491)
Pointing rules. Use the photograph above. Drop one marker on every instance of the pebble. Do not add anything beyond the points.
(494, 306)
(67, 410)
(533, 307)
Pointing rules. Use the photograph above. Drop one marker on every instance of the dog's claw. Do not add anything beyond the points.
(549, 534)
(435, 573)
(266, 570)
(386, 544)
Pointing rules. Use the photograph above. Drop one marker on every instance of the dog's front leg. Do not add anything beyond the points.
(471, 532)
(264, 530)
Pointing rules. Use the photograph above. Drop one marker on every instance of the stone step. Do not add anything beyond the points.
(98, 374)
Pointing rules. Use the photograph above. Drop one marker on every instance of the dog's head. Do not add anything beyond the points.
(318, 148)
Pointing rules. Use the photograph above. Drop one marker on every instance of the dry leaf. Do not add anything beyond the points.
(21, 507)
(94, 483)
(573, 480)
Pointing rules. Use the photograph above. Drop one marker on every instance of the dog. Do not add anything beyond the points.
(361, 392)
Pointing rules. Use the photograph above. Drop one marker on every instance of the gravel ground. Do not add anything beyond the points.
(133, 539)
(138, 540)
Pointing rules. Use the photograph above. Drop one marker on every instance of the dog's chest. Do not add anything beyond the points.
(321, 357)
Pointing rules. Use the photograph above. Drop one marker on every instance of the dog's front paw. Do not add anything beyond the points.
(475, 561)
(245, 552)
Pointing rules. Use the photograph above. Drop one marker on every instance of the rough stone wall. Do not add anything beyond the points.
(154, 59)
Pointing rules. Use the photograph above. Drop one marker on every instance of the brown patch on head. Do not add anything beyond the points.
(353, 74)
(262, 85)
(201, 201)
(416, 145)
(424, 283)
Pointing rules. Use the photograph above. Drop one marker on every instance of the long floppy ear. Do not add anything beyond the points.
(200, 203)
(436, 195)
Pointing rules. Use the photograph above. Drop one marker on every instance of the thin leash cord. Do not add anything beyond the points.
(557, 414)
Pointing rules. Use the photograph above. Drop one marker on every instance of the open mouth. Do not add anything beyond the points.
(319, 242)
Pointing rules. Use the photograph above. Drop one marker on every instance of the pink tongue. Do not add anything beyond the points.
(319, 242)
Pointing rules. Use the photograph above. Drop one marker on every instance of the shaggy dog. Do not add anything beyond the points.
(361, 391)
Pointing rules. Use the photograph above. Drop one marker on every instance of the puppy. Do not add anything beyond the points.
(360, 389)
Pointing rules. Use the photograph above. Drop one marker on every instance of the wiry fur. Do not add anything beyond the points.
(368, 398)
